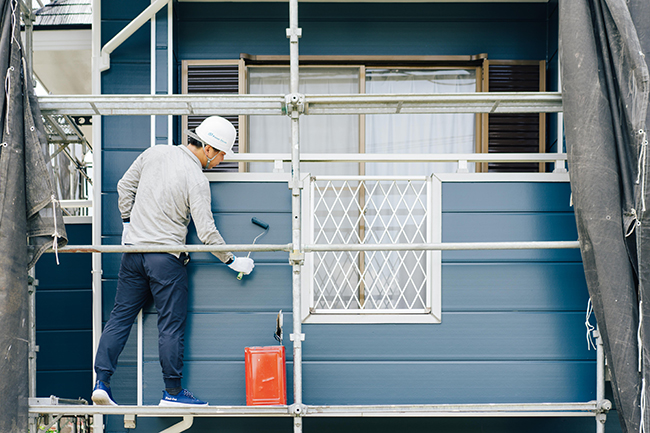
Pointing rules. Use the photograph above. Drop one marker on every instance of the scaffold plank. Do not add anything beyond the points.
(203, 104)
(586, 409)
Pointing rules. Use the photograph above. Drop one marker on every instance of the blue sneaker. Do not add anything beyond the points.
(102, 394)
(184, 398)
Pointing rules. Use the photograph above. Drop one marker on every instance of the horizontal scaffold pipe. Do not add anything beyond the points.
(207, 104)
(169, 248)
(447, 246)
(401, 157)
(480, 102)
(431, 410)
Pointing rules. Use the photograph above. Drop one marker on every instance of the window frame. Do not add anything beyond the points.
(433, 308)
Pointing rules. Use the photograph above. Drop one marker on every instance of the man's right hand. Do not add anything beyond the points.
(126, 226)
(244, 265)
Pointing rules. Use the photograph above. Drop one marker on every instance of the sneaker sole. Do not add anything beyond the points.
(173, 403)
(101, 398)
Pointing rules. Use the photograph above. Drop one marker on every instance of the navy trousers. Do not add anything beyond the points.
(142, 277)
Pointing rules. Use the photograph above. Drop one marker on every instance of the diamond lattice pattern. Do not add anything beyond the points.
(370, 212)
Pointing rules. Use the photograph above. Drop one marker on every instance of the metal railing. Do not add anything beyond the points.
(203, 104)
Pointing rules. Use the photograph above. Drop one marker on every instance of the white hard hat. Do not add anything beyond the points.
(216, 132)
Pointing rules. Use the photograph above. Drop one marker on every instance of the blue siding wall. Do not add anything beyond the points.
(64, 321)
(535, 298)
(512, 327)
(224, 30)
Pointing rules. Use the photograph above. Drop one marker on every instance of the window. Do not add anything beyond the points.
(318, 134)
(372, 286)
(419, 133)
(404, 133)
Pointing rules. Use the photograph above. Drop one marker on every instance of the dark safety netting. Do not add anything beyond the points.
(30, 220)
(605, 87)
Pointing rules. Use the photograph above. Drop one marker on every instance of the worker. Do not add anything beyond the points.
(157, 195)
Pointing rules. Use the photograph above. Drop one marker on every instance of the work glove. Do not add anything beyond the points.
(244, 265)
(126, 226)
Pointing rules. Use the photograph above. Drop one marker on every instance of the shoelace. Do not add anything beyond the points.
(186, 393)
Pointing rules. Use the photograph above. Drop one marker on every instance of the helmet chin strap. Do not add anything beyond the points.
(207, 164)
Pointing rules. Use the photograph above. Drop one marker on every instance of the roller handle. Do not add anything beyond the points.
(262, 224)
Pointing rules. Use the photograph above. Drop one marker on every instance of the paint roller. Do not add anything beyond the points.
(265, 226)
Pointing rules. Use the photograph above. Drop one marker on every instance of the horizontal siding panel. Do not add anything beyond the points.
(513, 286)
(64, 309)
(414, 36)
(72, 273)
(272, 204)
(128, 78)
(73, 270)
(218, 383)
(190, 13)
(513, 227)
(64, 350)
(223, 383)
(111, 217)
(269, 197)
(126, 133)
(506, 197)
(448, 382)
(219, 337)
(460, 337)
(124, 386)
(215, 288)
(116, 163)
(65, 384)
(237, 228)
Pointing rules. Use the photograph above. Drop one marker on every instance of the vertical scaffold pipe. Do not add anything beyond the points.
(293, 33)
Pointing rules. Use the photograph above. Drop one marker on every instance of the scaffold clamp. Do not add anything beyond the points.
(294, 33)
(129, 421)
(298, 409)
(296, 258)
(293, 102)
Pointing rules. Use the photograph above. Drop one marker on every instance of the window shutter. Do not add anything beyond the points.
(215, 79)
(514, 133)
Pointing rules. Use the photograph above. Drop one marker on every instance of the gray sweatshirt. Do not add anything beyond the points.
(159, 192)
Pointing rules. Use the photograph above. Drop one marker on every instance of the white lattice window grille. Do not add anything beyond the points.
(372, 286)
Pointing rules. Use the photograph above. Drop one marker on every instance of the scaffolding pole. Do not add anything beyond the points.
(296, 257)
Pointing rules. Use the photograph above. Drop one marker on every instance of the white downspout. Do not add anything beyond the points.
(146, 15)
(187, 422)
